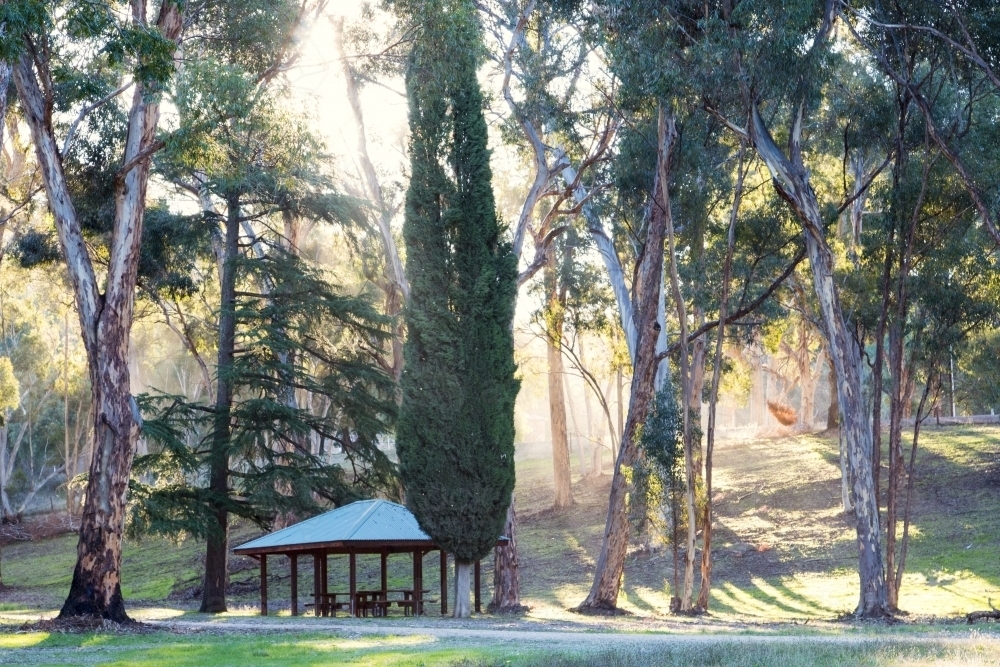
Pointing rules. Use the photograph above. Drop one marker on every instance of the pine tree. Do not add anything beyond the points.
(456, 432)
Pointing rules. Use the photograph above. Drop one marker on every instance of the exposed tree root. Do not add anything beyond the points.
(511, 610)
(974, 616)
(78, 624)
(600, 610)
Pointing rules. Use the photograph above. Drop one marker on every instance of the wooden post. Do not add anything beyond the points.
(418, 582)
(295, 584)
(444, 583)
(317, 582)
(479, 609)
(385, 573)
(263, 584)
(325, 574)
(353, 576)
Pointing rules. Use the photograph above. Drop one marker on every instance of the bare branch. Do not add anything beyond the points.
(84, 112)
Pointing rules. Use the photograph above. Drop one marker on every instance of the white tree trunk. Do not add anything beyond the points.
(606, 248)
(463, 605)
(845, 477)
(791, 181)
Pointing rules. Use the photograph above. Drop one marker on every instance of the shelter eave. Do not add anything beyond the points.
(340, 547)
(346, 547)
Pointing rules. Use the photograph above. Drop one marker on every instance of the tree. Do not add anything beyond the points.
(647, 366)
(455, 438)
(146, 49)
(283, 330)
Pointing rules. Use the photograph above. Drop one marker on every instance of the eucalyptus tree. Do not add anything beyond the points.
(925, 47)
(51, 47)
(392, 281)
(714, 53)
(735, 61)
(565, 128)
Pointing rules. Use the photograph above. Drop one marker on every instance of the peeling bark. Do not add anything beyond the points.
(506, 586)
(603, 594)
(791, 180)
(105, 320)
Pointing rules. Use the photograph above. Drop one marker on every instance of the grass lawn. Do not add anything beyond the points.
(784, 551)
(173, 650)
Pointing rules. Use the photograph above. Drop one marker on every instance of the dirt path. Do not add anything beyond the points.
(575, 639)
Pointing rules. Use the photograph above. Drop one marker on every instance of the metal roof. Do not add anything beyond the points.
(365, 521)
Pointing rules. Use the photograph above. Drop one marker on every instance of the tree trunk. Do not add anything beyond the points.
(791, 180)
(603, 594)
(557, 400)
(557, 425)
(807, 378)
(706, 553)
(463, 606)
(845, 476)
(833, 412)
(213, 599)
(506, 587)
(690, 470)
(396, 287)
(96, 586)
(105, 323)
(895, 460)
(898, 575)
(696, 370)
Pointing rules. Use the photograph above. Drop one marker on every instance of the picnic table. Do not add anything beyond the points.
(411, 604)
(375, 603)
(329, 605)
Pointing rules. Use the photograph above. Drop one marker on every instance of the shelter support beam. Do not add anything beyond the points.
(418, 581)
(295, 584)
(353, 562)
(263, 585)
(325, 575)
(444, 583)
(477, 575)
(385, 573)
(317, 582)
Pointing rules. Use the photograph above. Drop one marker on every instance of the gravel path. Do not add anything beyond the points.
(574, 639)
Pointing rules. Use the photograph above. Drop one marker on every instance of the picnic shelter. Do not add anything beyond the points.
(363, 527)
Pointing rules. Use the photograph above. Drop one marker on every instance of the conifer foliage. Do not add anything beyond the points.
(456, 431)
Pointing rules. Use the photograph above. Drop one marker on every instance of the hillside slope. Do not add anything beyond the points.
(784, 549)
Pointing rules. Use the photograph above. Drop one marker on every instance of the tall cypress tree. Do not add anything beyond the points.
(456, 430)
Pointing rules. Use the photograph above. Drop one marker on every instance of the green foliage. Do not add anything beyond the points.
(979, 383)
(36, 247)
(10, 389)
(657, 477)
(19, 18)
(661, 433)
(456, 430)
(304, 335)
